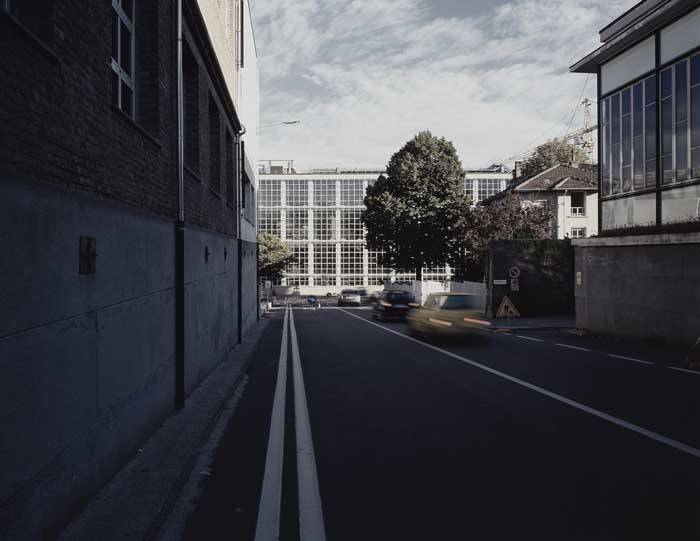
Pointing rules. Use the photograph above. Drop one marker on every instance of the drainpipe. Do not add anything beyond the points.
(239, 212)
(180, 229)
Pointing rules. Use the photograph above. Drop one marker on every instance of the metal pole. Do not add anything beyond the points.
(180, 230)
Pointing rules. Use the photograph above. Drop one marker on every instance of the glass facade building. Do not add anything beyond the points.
(649, 113)
(319, 215)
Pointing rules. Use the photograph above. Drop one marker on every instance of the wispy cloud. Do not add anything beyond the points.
(366, 75)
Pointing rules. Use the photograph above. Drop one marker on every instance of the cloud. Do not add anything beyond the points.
(365, 75)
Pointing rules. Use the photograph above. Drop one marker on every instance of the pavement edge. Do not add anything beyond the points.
(147, 489)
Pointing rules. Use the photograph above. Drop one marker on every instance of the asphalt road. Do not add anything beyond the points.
(499, 436)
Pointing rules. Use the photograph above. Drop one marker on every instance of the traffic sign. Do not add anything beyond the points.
(507, 309)
(311, 300)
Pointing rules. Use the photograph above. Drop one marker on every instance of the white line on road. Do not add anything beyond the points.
(268, 525)
(629, 359)
(311, 527)
(679, 369)
(528, 338)
(573, 347)
(679, 446)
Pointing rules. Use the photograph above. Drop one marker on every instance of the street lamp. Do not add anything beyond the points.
(285, 123)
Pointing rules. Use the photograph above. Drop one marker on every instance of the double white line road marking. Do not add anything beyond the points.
(311, 527)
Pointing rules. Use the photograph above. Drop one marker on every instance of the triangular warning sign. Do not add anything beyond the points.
(507, 309)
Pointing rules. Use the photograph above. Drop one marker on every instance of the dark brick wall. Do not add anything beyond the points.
(59, 124)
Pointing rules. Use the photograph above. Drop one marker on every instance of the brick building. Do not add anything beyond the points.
(128, 274)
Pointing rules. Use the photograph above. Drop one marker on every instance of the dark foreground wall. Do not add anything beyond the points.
(87, 362)
(538, 276)
(640, 287)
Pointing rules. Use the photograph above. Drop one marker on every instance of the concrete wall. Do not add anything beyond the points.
(211, 302)
(640, 287)
(249, 283)
(87, 362)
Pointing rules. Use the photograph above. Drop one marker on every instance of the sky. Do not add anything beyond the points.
(364, 76)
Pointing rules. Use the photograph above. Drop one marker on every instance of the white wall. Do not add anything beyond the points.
(566, 222)
(220, 18)
(631, 64)
(249, 99)
(681, 36)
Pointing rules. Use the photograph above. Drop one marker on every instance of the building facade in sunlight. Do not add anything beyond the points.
(639, 278)
(318, 213)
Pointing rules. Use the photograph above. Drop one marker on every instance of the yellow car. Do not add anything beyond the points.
(448, 314)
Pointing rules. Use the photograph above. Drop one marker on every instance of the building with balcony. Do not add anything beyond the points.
(640, 277)
(318, 213)
(569, 192)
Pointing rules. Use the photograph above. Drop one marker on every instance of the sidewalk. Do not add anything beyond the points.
(136, 503)
(533, 323)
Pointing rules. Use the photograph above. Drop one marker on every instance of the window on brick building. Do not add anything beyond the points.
(190, 73)
(244, 177)
(123, 56)
(214, 146)
(230, 173)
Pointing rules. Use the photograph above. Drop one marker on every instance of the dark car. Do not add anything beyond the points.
(393, 305)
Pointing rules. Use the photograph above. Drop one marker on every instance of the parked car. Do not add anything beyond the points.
(393, 305)
(448, 314)
(364, 296)
(349, 297)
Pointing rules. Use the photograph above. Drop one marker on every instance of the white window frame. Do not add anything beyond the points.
(115, 63)
(580, 233)
(580, 211)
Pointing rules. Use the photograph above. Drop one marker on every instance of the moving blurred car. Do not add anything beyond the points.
(448, 314)
(393, 305)
(349, 297)
(374, 297)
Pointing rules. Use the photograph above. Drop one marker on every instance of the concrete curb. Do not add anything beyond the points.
(139, 499)
(534, 328)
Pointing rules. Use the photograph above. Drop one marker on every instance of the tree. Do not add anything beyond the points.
(550, 154)
(412, 212)
(506, 218)
(275, 256)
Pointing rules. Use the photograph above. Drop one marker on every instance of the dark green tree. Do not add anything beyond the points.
(412, 213)
(504, 219)
(275, 256)
(550, 154)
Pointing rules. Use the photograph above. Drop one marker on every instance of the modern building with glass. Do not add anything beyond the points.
(640, 277)
(318, 213)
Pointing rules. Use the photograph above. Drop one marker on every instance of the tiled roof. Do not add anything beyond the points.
(551, 179)
(554, 179)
